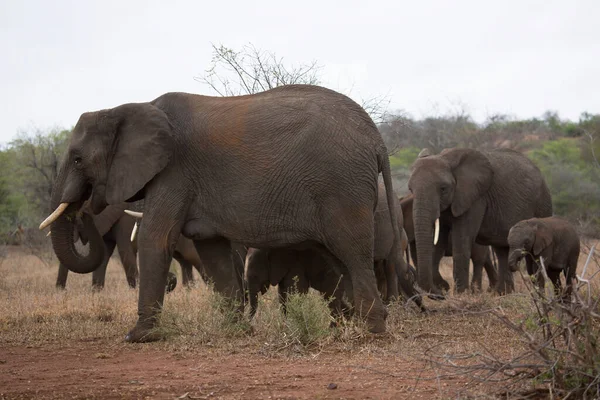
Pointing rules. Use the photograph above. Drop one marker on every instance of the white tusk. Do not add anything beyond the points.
(436, 232)
(134, 213)
(52, 217)
(134, 231)
(48, 234)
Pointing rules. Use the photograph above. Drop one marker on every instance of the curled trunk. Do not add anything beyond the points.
(514, 256)
(63, 242)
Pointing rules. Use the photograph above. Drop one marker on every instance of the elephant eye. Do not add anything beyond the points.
(444, 189)
(77, 160)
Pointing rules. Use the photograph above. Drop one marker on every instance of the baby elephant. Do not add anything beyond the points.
(292, 270)
(554, 240)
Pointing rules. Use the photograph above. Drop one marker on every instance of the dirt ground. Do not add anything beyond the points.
(88, 370)
(69, 344)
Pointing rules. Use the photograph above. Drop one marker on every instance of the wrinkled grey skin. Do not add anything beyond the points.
(478, 197)
(481, 256)
(554, 240)
(295, 164)
(292, 270)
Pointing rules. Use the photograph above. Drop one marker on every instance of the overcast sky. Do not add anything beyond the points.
(62, 58)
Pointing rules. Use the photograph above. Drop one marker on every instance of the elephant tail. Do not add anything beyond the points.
(405, 280)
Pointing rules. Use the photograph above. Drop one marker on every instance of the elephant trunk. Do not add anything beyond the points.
(424, 220)
(63, 242)
(514, 256)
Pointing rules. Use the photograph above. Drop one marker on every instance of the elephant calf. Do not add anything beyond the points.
(552, 239)
(291, 269)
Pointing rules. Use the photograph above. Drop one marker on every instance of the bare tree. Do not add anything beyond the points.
(251, 70)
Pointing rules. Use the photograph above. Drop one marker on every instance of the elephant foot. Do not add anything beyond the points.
(504, 289)
(97, 287)
(142, 335)
(376, 325)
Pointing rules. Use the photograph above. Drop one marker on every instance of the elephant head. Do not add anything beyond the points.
(112, 155)
(527, 237)
(449, 182)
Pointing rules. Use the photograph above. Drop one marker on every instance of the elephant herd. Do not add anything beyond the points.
(282, 188)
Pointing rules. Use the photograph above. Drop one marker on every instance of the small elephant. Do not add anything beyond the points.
(481, 256)
(292, 270)
(553, 240)
(477, 196)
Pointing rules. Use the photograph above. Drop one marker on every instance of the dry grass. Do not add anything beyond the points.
(33, 312)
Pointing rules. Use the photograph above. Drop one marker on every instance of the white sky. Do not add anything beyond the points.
(62, 58)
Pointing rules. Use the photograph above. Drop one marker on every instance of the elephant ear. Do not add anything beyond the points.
(473, 174)
(543, 239)
(142, 148)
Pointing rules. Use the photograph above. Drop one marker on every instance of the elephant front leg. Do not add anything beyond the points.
(61, 279)
(505, 279)
(439, 251)
(155, 255)
(476, 280)
(462, 243)
(99, 275)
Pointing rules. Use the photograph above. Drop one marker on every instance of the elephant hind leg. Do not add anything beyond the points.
(349, 238)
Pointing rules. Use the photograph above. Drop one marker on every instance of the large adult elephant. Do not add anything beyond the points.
(478, 196)
(294, 164)
(481, 256)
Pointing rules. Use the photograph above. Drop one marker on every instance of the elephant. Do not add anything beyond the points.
(553, 240)
(115, 227)
(292, 270)
(295, 164)
(477, 196)
(480, 255)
